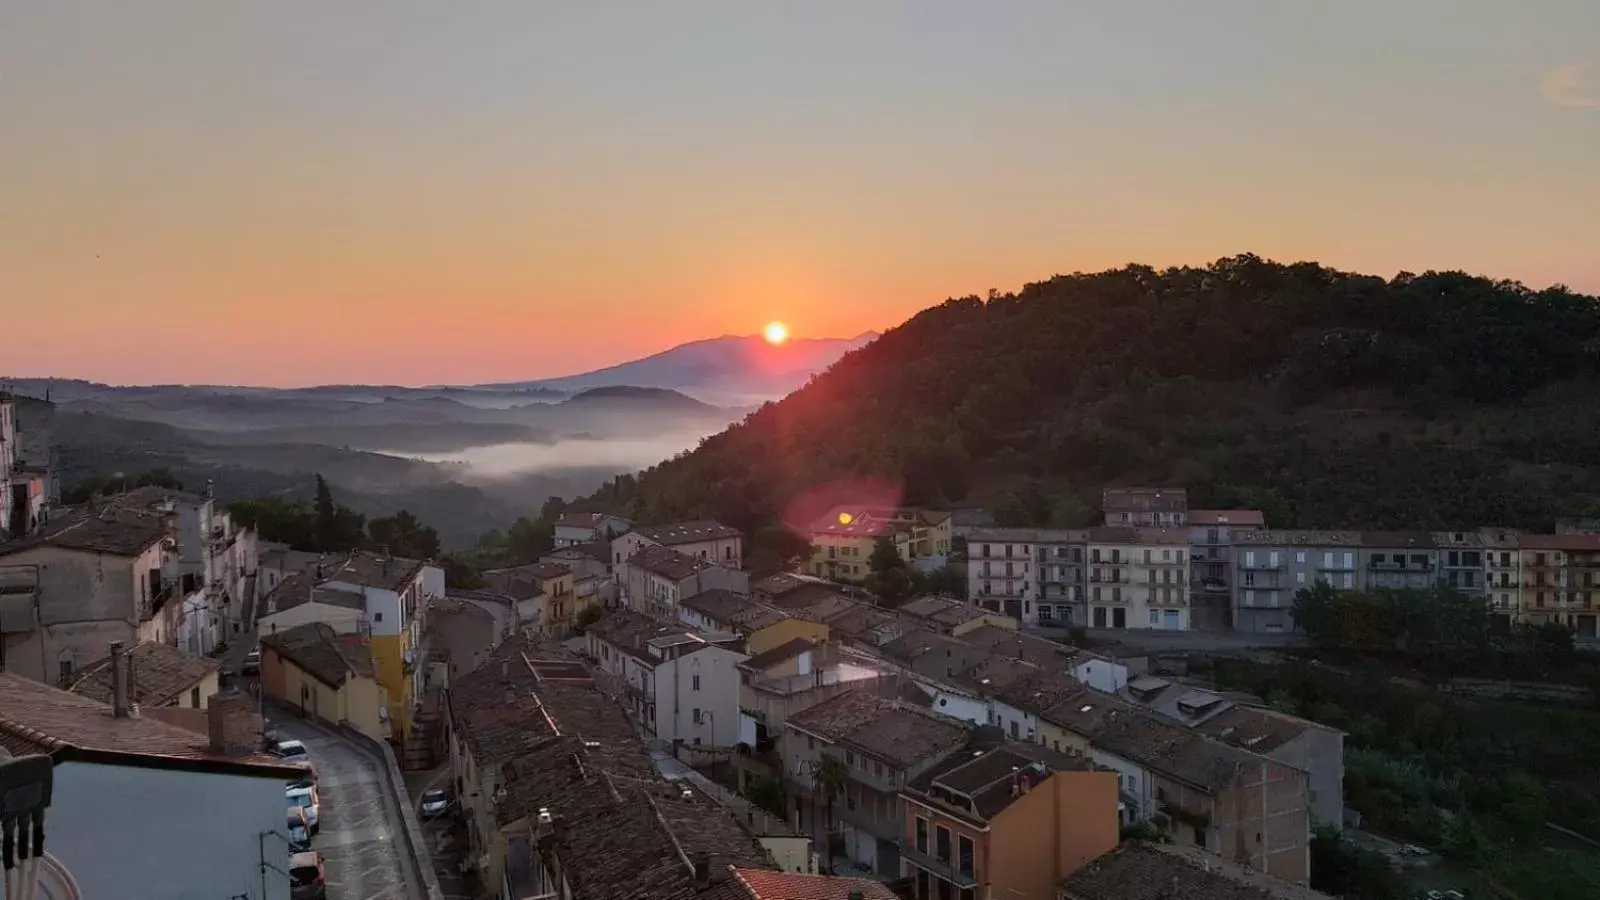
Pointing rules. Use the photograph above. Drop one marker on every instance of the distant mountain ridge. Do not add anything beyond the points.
(746, 365)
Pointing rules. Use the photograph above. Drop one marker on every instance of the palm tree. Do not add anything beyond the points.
(832, 776)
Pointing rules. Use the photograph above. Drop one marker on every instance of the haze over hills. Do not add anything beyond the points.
(472, 458)
(1328, 399)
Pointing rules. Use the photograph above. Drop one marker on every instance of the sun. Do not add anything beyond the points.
(776, 333)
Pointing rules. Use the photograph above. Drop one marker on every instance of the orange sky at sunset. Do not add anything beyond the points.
(260, 195)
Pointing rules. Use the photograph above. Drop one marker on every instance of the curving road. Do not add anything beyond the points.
(361, 837)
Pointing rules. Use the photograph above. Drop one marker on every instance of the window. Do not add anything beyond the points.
(1014, 728)
(66, 669)
(727, 553)
(377, 617)
(922, 835)
(964, 855)
(694, 683)
(1300, 557)
(694, 715)
(877, 768)
(849, 759)
(1200, 838)
(194, 698)
(1155, 618)
(941, 848)
(1250, 559)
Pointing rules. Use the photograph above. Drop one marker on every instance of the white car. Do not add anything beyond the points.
(292, 750)
(306, 798)
(434, 803)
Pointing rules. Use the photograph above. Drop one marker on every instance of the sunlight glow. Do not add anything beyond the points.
(776, 333)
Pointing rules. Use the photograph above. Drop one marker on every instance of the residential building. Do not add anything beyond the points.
(1211, 562)
(1272, 565)
(32, 464)
(126, 786)
(8, 464)
(854, 622)
(158, 675)
(580, 528)
(763, 627)
(656, 579)
(277, 563)
(842, 540)
(1314, 749)
(707, 540)
(1561, 580)
(791, 590)
(1139, 871)
(846, 760)
(588, 561)
(1033, 575)
(1399, 560)
(545, 594)
(1017, 694)
(758, 884)
(80, 583)
(1201, 791)
(953, 617)
(1098, 672)
(680, 684)
(935, 657)
(1502, 575)
(382, 598)
(1006, 821)
(1145, 507)
(327, 676)
(1462, 565)
(1138, 578)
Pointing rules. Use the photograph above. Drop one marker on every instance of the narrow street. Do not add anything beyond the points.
(361, 837)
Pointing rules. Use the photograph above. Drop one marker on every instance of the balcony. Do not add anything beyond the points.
(863, 821)
(1108, 578)
(1266, 565)
(946, 870)
(1407, 566)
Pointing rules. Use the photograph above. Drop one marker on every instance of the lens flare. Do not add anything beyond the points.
(776, 333)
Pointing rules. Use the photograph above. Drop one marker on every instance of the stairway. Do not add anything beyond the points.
(420, 746)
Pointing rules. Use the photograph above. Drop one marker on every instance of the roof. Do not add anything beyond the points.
(632, 633)
(373, 571)
(686, 532)
(1027, 536)
(37, 718)
(161, 674)
(755, 884)
(982, 778)
(1024, 686)
(881, 727)
(301, 588)
(151, 496)
(1136, 871)
(667, 562)
(943, 610)
(1175, 751)
(322, 653)
(785, 583)
(598, 551)
(1296, 537)
(917, 643)
(1569, 542)
(785, 651)
(1246, 518)
(731, 609)
(110, 532)
(1163, 536)
(585, 519)
(1399, 540)
(1144, 499)
(1257, 729)
(1020, 645)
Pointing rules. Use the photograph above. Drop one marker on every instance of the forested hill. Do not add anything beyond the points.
(1327, 398)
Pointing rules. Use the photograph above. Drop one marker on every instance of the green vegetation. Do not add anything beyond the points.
(1325, 398)
(98, 485)
(329, 527)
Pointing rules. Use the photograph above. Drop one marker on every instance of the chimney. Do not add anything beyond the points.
(119, 680)
(702, 870)
(231, 721)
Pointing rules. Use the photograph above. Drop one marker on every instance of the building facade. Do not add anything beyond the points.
(1271, 565)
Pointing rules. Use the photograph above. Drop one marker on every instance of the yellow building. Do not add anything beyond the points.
(842, 541)
(1560, 580)
(762, 625)
(546, 596)
(326, 675)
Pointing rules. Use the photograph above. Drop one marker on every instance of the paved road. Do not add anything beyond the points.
(361, 838)
(1180, 641)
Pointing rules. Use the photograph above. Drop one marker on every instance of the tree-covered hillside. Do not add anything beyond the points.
(1326, 398)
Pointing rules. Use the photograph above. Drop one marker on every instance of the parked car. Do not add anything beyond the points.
(252, 663)
(434, 803)
(308, 880)
(270, 736)
(299, 830)
(292, 750)
(306, 798)
(307, 776)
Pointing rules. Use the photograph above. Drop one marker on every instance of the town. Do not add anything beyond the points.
(635, 715)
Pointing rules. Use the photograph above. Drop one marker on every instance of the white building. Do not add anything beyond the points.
(118, 816)
(683, 685)
(581, 528)
(705, 540)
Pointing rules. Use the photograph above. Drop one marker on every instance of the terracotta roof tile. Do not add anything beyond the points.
(881, 727)
(686, 532)
(762, 885)
(322, 653)
(1147, 872)
(161, 675)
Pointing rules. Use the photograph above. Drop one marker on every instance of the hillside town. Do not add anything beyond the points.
(635, 714)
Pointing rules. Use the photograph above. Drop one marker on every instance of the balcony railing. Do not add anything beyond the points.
(926, 861)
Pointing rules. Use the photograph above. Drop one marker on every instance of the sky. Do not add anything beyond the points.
(400, 191)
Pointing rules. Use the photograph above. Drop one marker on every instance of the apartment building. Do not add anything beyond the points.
(1561, 580)
(656, 579)
(1138, 578)
(1502, 572)
(842, 540)
(1006, 819)
(1271, 565)
(1145, 507)
(1033, 575)
(580, 528)
(763, 627)
(545, 594)
(705, 540)
(681, 685)
(1462, 562)
(1399, 560)
(1211, 534)
(847, 759)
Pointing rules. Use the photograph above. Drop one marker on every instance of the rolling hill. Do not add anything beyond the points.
(1327, 398)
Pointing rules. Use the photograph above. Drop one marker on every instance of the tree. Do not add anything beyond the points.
(402, 535)
(529, 539)
(832, 776)
(552, 509)
(888, 575)
(1526, 807)
(775, 548)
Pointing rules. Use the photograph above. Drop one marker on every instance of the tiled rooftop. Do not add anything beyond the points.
(1144, 499)
(1398, 540)
(1027, 536)
(161, 675)
(1162, 746)
(1024, 686)
(110, 532)
(731, 609)
(942, 610)
(1157, 872)
(1239, 518)
(881, 727)
(37, 718)
(667, 562)
(1296, 538)
(755, 884)
(321, 653)
(918, 643)
(373, 571)
(1019, 645)
(785, 651)
(1257, 730)
(631, 633)
(986, 775)
(686, 532)
(581, 519)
